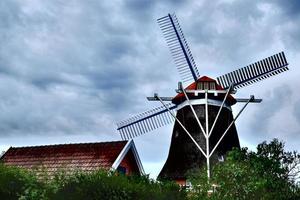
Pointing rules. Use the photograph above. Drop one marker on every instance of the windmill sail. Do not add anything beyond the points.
(255, 72)
(179, 48)
(145, 122)
(194, 111)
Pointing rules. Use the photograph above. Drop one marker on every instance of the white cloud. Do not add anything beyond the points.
(70, 69)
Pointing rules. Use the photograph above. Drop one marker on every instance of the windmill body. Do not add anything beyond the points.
(204, 128)
(183, 156)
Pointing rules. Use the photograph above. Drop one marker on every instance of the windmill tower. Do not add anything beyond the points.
(204, 128)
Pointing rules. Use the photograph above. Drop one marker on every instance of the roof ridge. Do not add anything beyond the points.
(69, 144)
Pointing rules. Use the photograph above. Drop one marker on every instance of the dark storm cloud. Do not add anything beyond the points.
(228, 34)
(297, 111)
(289, 20)
(65, 64)
(225, 35)
(27, 110)
(140, 8)
(290, 8)
(52, 51)
(77, 67)
(270, 107)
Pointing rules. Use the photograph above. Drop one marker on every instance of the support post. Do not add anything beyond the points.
(182, 126)
(250, 99)
(193, 110)
(220, 109)
(207, 132)
(207, 138)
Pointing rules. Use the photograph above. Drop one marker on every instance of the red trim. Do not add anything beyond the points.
(179, 98)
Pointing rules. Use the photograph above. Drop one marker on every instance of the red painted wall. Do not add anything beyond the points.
(129, 163)
(181, 182)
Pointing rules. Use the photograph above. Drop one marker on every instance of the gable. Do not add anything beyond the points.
(129, 164)
(129, 159)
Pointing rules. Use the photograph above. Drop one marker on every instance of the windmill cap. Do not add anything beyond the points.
(179, 98)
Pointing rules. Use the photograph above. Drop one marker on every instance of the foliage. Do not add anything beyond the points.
(101, 185)
(16, 183)
(269, 173)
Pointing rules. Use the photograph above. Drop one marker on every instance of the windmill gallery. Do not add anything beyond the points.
(204, 128)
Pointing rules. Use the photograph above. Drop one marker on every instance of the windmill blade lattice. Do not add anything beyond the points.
(179, 48)
(145, 122)
(255, 72)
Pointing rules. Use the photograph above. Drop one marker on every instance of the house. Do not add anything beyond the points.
(68, 158)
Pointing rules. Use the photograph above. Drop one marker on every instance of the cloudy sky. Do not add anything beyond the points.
(70, 69)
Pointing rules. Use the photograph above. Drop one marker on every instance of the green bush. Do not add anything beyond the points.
(269, 173)
(100, 185)
(16, 183)
(265, 174)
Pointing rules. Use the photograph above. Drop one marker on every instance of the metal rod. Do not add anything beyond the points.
(182, 126)
(208, 91)
(163, 98)
(207, 138)
(193, 110)
(216, 119)
(245, 100)
(251, 98)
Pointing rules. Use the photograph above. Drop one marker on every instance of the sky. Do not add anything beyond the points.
(69, 70)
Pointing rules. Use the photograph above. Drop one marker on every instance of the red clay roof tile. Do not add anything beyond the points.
(51, 158)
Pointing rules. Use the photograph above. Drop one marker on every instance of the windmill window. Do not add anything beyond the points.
(206, 85)
(200, 86)
(212, 86)
(121, 170)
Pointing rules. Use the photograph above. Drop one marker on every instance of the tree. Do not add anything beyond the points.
(2, 153)
(104, 186)
(269, 173)
(17, 183)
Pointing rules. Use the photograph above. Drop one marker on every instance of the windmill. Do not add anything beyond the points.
(204, 128)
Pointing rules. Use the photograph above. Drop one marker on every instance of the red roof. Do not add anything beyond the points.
(193, 86)
(51, 158)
